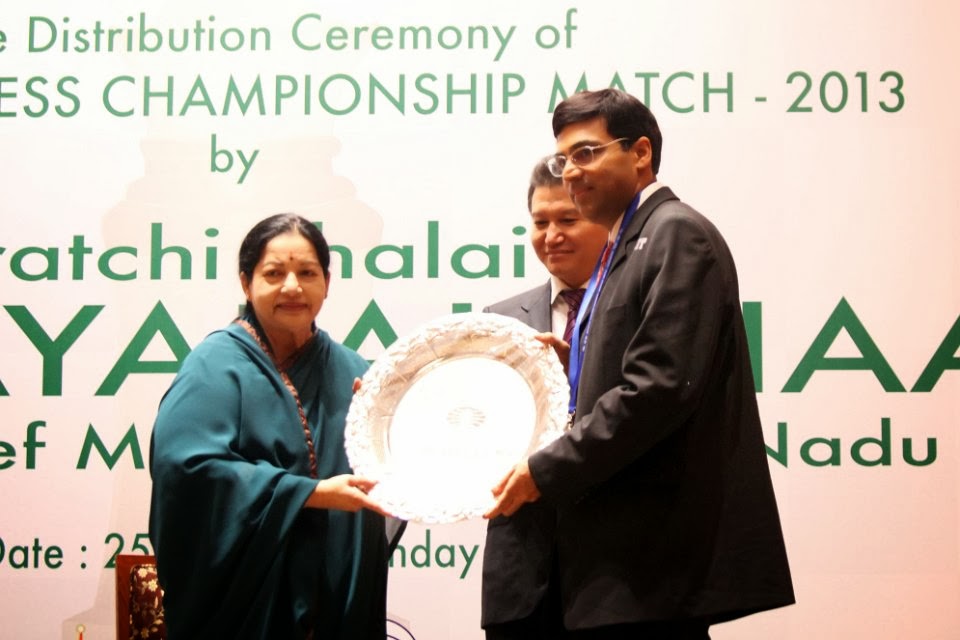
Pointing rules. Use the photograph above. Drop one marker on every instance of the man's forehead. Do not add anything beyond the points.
(581, 132)
(554, 208)
(549, 194)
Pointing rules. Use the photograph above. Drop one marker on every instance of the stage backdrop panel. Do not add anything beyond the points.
(139, 141)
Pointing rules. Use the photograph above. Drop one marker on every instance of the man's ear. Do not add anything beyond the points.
(644, 151)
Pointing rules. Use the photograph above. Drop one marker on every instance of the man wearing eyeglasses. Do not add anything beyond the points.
(666, 518)
(519, 602)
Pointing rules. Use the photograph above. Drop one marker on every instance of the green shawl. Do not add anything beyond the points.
(237, 555)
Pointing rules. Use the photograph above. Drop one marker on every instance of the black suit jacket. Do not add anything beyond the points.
(665, 505)
(518, 550)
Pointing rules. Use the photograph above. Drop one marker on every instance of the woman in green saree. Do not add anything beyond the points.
(259, 527)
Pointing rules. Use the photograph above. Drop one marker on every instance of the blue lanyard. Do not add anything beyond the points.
(578, 346)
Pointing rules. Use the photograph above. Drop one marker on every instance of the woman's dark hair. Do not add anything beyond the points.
(251, 249)
(625, 115)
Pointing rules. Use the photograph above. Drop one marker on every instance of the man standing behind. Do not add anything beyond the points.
(667, 521)
(519, 551)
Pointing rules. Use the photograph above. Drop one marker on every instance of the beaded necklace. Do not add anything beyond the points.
(288, 383)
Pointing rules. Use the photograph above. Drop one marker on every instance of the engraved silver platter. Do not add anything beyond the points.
(444, 413)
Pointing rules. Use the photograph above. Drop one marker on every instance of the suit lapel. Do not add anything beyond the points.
(538, 309)
(630, 235)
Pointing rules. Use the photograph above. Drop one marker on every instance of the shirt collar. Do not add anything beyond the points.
(557, 285)
(647, 191)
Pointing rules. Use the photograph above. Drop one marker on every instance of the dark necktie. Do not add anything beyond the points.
(573, 297)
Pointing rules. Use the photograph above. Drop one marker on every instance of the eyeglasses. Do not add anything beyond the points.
(580, 157)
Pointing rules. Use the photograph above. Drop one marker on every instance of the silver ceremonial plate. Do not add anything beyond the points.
(446, 412)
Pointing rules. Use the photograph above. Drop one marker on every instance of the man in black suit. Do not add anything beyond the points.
(667, 520)
(518, 602)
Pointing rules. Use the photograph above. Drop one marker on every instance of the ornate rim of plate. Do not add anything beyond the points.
(445, 412)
